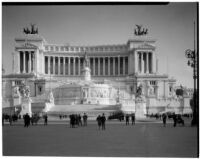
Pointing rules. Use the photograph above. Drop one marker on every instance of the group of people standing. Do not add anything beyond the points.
(132, 119)
(176, 119)
(34, 119)
(76, 119)
(101, 121)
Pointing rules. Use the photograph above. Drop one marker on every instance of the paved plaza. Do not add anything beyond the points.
(147, 139)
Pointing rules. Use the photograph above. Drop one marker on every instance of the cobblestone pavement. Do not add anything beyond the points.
(118, 140)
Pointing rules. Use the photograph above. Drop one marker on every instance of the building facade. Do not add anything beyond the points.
(119, 71)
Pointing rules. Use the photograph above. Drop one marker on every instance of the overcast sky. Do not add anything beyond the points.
(171, 25)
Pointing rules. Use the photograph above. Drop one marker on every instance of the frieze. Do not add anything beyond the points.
(93, 54)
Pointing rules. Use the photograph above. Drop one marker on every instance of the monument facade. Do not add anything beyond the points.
(121, 76)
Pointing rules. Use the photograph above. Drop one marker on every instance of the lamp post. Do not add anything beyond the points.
(192, 61)
(192, 57)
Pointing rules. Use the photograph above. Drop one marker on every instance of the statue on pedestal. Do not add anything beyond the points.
(26, 100)
(86, 60)
(140, 93)
(86, 70)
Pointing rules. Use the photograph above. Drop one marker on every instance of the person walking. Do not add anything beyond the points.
(127, 119)
(85, 119)
(164, 118)
(103, 122)
(10, 120)
(133, 118)
(79, 120)
(26, 120)
(99, 121)
(45, 119)
(174, 119)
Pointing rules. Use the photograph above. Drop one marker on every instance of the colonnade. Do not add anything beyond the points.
(145, 61)
(100, 66)
(26, 61)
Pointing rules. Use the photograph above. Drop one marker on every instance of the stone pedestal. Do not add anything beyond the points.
(140, 109)
(86, 73)
(26, 106)
(50, 102)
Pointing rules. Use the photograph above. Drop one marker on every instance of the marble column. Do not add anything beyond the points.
(34, 62)
(104, 66)
(98, 66)
(118, 65)
(64, 66)
(49, 67)
(113, 66)
(108, 66)
(54, 65)
(79, 66)
(58, 65)
(136, 62)
(142, 62)
(89, 61)
(24, 70)
(93, 66)
(147, 62)
(29, 64)
(124, 65)
(74, 69)
(18, 62)
(69, 66)
(153, 62)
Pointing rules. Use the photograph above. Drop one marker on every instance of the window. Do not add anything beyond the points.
(153, 83)
(51, 48)
(57, 48)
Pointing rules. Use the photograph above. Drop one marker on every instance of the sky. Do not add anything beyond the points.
(171, 25)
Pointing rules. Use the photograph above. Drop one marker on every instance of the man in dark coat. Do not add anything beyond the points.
(174, 119)
(164, 118)
(103, 122)
(85, 119)
(133, 119)
(99, 121)
(45, 119)
(127, 119)
(26, 120)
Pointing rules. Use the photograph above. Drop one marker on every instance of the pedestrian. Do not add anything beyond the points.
(133, 118)
(103, 122)
(10, 120)
(164, 118)
(99, 121)
(85, 119)
(174, 119)
(79, 120)
(45, 119)
(26, 120)
(73, 120)
(127, 119)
